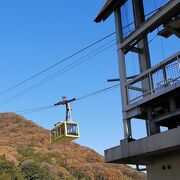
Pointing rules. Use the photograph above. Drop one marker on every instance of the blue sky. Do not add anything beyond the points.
(36, 34)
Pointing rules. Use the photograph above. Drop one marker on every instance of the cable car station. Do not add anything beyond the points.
(153, 96)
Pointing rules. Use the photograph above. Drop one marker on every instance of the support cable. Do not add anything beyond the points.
(65, 59)
(161, 40)
(152, 39)
(97, 92)
(127, 16)
(32, 110)
(162, 47)
(56, 73)
(62, 71)
(36, 110)
(52, 66)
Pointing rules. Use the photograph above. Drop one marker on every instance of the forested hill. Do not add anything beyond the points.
(26, 153)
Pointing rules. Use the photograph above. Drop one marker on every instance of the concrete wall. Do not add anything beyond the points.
(165, 167)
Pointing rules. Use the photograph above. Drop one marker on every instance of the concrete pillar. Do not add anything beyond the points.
(172, 103)
(127, 128)
(122, 72)
(153, 128)
(172, 106)
(144, 57)
(139, 18)
(144, 61)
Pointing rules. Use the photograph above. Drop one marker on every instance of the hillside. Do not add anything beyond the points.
(25, 153)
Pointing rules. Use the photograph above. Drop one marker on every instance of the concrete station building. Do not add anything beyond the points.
(153, 95)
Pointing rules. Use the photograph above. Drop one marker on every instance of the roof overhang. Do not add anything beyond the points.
(108, 9)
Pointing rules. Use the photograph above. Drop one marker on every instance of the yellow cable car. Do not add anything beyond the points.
(65, 131)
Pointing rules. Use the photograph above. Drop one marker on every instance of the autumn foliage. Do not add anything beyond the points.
(26, 153)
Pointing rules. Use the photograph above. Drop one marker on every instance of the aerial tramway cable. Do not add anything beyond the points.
(59, 62)
(69, 67)
(57, 73)
(65, 59)
(72, 65)
(32, 110)
(97, 92)
(161, 38)
(63, 70)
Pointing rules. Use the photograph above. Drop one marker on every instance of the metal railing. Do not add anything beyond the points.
(154, 79)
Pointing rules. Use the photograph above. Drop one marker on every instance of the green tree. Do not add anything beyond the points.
(32, 171)
(8, 170)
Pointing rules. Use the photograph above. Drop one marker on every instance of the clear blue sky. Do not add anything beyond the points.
(36, 34)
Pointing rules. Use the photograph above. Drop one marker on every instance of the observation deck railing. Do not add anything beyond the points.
(154, 79)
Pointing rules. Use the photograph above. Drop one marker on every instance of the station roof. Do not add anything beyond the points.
(108, 8)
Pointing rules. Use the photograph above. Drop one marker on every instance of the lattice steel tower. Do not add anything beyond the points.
(153, 95)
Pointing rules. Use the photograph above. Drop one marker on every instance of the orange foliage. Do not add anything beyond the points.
(71, 160)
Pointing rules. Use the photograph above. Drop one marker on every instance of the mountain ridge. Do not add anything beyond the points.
(25, 147)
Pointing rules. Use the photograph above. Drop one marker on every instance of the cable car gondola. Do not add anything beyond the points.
(65, 131)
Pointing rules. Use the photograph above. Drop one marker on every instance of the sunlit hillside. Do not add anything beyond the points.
(26, 153)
